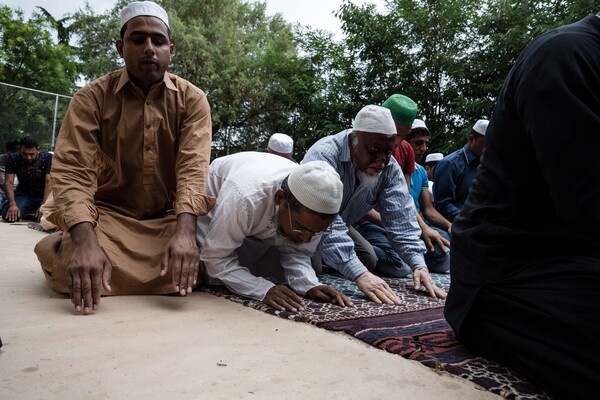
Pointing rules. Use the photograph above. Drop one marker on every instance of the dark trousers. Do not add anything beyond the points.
(544, 321)
(27, 205)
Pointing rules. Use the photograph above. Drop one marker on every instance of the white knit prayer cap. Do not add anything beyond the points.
(281, 143)
(481, 126)
(317, 186)
(419, 123)
(143, 8)
(375, 119)
(433, 157)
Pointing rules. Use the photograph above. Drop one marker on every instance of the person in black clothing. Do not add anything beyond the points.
(525, 262)
(32, 168)
(11, 147)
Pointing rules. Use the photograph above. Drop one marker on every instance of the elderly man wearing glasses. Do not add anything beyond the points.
(371, 178)
(269, 217)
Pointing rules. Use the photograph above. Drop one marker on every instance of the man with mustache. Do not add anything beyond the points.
(435, 228)
(32, 168)
(129, 175)
(371, 178)
(269, 217)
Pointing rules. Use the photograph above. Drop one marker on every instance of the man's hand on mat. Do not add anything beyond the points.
(328, 294)
(13, 214)
(421, 277)
(282, 298)
(88, 269)
(181, 255)
(376, 289)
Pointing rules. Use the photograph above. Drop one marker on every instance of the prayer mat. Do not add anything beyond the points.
(416, 330)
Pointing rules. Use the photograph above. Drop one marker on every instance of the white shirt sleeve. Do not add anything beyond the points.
(230, 224)
(299, 273)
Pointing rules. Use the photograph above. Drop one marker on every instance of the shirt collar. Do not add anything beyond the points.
(345, 156)
(469, 154)
(125, 78)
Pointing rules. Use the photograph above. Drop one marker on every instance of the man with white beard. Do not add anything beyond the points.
(371, 178)
(269, 217)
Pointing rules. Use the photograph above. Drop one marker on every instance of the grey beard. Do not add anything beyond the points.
(369, 181)
(280, 238)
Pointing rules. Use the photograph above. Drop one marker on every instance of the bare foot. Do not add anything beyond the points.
(35, 226)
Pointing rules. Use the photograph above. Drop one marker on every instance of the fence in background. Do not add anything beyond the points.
(32, 112)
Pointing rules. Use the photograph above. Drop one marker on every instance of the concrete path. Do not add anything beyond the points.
(197, 347)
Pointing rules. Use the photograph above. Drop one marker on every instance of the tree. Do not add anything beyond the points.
(30, 58)
(235, 52)
(95, 36)
(317, 88)
(451, 56)
(63, 30)
(418, 48)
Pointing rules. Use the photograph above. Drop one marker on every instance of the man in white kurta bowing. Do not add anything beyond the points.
(269, 217)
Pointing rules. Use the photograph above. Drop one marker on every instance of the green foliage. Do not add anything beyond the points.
(451, 56)
(29, 57)
(315, 89)
(240, 57)
(262, 75)
(418, 48)
(95, 37)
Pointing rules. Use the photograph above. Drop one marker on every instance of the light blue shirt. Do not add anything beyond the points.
(418, 183)
(390, 195)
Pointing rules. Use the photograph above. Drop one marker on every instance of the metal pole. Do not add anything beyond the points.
(54, 123)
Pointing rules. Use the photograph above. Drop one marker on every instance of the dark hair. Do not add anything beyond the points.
(124, 28)
(416, 131)
(12, 146)
(475, 134)
(29, 142)
(432, 164)
(295, 205)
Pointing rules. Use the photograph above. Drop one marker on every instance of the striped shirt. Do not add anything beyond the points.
(390, 195)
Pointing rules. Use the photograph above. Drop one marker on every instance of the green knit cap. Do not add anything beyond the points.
(403, 108)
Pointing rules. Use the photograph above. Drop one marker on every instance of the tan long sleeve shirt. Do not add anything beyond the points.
(134, 154)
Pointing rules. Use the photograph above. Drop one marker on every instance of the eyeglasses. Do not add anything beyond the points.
(304, 232)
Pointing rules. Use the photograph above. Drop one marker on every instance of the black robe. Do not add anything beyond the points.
(526, 247)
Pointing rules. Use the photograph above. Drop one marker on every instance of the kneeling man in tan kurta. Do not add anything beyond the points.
(129, 174)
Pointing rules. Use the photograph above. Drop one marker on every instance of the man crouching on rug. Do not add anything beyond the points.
(269, 217)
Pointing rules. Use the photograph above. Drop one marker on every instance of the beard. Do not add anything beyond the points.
(281, 239)
(366, 180)
(369, 181)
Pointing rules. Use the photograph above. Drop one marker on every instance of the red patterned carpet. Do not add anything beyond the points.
(415, 330)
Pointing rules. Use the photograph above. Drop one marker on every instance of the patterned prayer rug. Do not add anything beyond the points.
(415, 330)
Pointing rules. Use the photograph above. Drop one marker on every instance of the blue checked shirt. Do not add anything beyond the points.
(390, 195)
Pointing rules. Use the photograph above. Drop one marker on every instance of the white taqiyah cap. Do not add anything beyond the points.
(317, 187)
(143, 8)
(481, 126)
(433, 157)
(419, 123)
(375, 119)
(281, 143)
